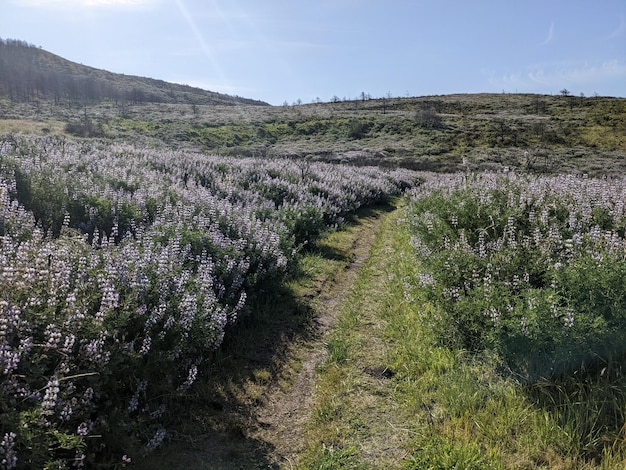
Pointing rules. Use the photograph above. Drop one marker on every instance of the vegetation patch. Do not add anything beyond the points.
(124, 268)
(484, 331)
(508, 267)
(532, 268)
(449, 403)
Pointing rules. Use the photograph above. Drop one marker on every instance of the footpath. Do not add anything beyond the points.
(262, 418)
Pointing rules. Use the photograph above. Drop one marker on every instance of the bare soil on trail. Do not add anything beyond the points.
(284, 412)
(263, 424)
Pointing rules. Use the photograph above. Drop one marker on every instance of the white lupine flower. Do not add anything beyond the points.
(145, 265)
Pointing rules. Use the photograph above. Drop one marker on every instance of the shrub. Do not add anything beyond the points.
(120, 270)
(530, 267)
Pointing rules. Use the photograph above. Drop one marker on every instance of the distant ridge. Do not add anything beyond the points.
(28, 72)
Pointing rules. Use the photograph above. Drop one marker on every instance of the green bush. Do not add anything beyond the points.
(533, 268)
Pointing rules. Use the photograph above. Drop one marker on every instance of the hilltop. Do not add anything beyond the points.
(30, 73)
(42, 93)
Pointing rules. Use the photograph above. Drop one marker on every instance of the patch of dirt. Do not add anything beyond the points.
(283, 413)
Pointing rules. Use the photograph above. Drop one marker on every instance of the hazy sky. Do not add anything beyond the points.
(285, 50)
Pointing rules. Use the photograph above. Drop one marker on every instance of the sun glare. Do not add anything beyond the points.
(207, 50)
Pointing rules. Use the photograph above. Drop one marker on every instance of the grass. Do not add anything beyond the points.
(355, 422)
(534, 132)
(388, 396)
(215, 425)
(27, 126)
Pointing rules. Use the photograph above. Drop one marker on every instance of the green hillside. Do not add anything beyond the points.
(192, 280)
(544, 133)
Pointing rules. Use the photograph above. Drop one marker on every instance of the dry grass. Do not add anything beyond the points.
(27, 126)
(484, 130)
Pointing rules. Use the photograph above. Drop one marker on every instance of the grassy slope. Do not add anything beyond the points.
(386, 395)
(537, 132)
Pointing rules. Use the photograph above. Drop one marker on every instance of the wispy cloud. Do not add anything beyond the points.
(604, 77)
(66, 4)
(584, 73)
(550, 35)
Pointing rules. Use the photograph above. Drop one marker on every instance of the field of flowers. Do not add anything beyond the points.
(532, 268)
(120, 270)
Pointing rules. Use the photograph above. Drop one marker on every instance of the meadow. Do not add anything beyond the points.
(484, 332)
(531, 267)
(152, 255)
(122, 270)
(528, 273)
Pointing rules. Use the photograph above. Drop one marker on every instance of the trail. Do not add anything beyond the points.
(263, 425)
(282, 415)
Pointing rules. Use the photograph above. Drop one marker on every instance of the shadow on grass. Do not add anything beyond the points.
(590, 402)
(213, 425)
(330, 251)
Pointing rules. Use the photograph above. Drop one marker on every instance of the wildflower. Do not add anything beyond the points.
(9, 359)
(66, 412)
(8, 454)
(160, 411)
(82, 429)
(69, 343)
(50, 396)
(134, 403)
(156, 440)
(494, 315)
(145, 345)
(79, 460)
(426, 279)
(524, 326)
(87, 396)
(53, 335)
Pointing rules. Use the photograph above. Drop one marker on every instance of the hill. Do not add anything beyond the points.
(28, 73)
(42, 93)
(474, 322)
(539, 133)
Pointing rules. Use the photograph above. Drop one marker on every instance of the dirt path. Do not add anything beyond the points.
(284, 412)
(254, 422)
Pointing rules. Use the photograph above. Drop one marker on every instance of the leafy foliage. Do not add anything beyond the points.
(531, 267)
(121, 269)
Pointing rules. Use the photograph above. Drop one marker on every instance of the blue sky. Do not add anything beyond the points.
(289, 50)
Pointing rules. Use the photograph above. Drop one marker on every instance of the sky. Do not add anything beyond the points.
(289, 51)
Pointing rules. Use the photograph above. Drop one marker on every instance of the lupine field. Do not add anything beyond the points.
(121, 269)
(532, 268)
